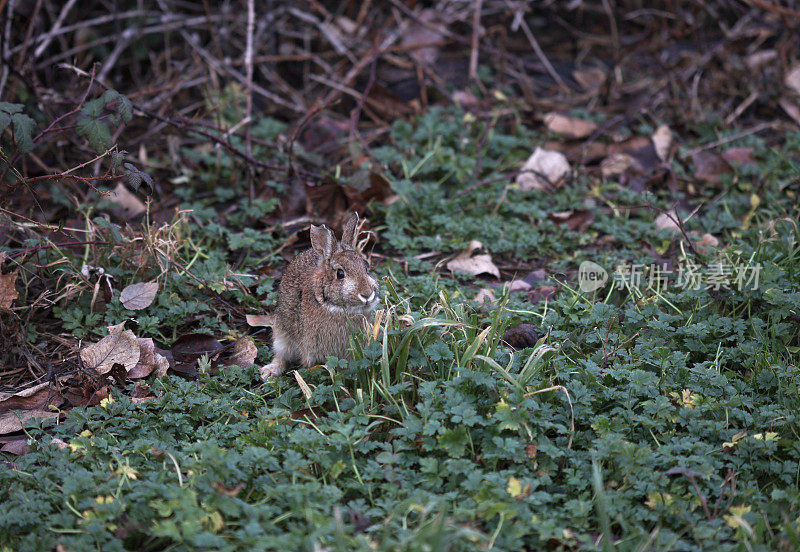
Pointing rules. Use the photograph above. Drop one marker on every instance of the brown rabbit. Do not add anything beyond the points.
(325, 295)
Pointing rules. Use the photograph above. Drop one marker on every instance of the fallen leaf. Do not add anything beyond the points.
(532, 451)
(791, 108)
(792, 79)
(118, 347)
(37, 397)
(130, 205)
(149, 360)
(190, 347)
(260, 320)
(59, 443)
(138, 296)
(576, 220)
(228, 491)
(7, 291)
(467, 262)
(706, 242)
(419, 34)
(521, 336)
(667, 221)
(518, 285)
(615, 164)
(542, 170)
(741, 156)
(244, 353)
(571, 127)
(709, 166)
(535, 276)
(642, 150)
(10, 421)
(591, 80)
(16, 445)
(542, 292)
(141, 393)
(485, 295)
(662, 141)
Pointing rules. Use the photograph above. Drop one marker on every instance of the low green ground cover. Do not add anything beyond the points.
(660, 418)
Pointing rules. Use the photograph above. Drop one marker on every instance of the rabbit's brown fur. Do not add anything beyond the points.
(317, 310)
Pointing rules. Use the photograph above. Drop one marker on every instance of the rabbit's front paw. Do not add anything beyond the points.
(273, 369)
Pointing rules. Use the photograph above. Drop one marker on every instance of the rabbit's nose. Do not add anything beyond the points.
(366, 299)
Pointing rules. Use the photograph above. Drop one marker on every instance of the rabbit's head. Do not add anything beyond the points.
(342, 283)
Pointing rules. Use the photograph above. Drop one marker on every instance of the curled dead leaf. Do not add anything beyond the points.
(667, 221)
(792, 79)
(662, 141)
(244, 353)
(149, 360)
(260, 320)
(571, 127)
(485, 295)
(542, 170)
(138, 296)
(615, 164)
(7, 291)
(130, 205)
(468, 262)
(705, 243)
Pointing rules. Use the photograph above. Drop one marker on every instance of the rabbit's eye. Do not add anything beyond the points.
(340, 274)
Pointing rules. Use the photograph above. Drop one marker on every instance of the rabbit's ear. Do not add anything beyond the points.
(323, 241)
(350, 232)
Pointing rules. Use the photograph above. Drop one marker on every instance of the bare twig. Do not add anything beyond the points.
(248, 62)
(473, 57)
(48, 37)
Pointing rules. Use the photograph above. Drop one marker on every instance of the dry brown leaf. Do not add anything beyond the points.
(485, 295)
(791, 107)
(7, 291)
(10, 421)
(709, 166)
(141, 393)
(571, 127)
(615, 164)
(705, 243)
(474, 264)
(576, 220)
(130, 205)
(244, 352)
(149, 360)
(667, 221)
(16, 446)
(592, 80)
(260, 320)
(542, 170)
(521, 336)
(662, 141)
(120, 346)
(138, 296)
(424, 34)
(518, 285)
(792, 79)
(36, 397)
